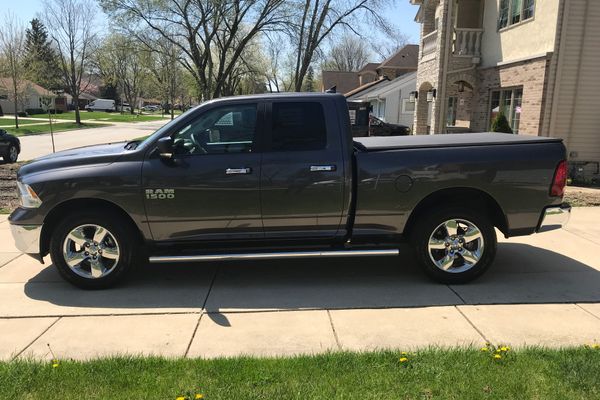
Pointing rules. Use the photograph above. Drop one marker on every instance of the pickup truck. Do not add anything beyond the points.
(280, 176)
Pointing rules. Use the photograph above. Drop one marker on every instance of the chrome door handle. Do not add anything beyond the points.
(322, 168)
(237, 171)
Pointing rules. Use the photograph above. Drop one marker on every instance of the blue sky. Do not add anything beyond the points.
(402, 14)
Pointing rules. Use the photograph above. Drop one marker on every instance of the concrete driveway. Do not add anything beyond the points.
(542, 290)
(33, 146)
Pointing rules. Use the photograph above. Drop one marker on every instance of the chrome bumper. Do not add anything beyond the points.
(555, 218)
(27, 237)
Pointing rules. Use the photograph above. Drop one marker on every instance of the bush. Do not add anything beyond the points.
(32, 111)
(500, 124)
(22, 114)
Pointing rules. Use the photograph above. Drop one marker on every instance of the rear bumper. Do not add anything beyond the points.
(27, 238)
(554, 218)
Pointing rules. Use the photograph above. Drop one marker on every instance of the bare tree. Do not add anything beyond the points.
(349, 53)
(71, 24)
(316, 20)
(206, 31)
(166, 71)
(394, 41)
(12, 48)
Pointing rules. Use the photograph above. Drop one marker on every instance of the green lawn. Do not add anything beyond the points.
(429, 374)
(10, 122)
(103, 116)
(45, 128)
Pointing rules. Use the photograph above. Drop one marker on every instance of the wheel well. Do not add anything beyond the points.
(462, 196)
(67, 207)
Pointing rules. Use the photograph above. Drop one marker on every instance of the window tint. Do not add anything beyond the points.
(298, 126)
(228, 129)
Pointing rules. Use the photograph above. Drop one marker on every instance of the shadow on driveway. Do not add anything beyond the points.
(522, 274)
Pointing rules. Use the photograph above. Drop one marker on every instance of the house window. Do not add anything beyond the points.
(509, 101)
(3, 97)
(451, 116)
(514, 11)
(408, 107)
(378, 107)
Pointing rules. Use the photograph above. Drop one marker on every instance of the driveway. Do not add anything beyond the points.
(33, 146)
(542, 290)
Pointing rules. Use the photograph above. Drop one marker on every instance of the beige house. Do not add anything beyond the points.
(31, 96)
(536, 60)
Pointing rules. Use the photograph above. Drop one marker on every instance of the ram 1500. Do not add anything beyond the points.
(280, 176)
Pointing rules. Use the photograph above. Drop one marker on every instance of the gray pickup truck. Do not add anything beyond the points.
(280, 176)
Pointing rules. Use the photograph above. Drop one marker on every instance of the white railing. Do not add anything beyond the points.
(467, 42)
(429, 43)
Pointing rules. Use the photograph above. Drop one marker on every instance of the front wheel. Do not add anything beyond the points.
(11, 154)
(455, 244)
(92, 250)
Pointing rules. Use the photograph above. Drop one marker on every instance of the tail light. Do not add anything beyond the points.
(560, 180)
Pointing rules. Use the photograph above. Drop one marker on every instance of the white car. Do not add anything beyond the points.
(101, 105)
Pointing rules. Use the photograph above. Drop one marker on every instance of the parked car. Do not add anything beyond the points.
(378, 127)
(101, 105)
(10, 147)
(279, 176)
(151, 108)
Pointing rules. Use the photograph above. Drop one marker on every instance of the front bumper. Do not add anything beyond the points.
(27, 238)
(555, 218)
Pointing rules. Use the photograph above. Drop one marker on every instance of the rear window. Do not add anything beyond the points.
(298, 126)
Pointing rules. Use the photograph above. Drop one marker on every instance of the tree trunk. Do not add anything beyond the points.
(77, 116)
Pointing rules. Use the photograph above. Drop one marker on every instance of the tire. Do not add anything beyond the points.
(75, 234)
(12, 154)
(443, 256)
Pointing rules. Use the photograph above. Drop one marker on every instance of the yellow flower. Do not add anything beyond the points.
(504, 348)
(497, 356)
(485, 349)
(404, 353)
(198, 396)
(55, 365)
(403, 359)
(180, 398)
(596, 346)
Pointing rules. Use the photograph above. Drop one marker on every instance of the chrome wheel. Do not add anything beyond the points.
(12, 154)
(456, 245)
(91, 251)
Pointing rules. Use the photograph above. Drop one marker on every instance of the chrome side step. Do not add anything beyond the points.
(268, 256)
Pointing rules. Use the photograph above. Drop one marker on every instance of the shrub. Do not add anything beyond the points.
(500, 123)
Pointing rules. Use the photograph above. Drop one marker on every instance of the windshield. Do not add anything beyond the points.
(164, 128)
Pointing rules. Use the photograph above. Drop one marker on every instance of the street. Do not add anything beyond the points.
(542, 290)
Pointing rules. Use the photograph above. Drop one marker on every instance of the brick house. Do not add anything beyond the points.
(536, 60)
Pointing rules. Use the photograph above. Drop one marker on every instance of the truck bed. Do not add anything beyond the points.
(370, 144)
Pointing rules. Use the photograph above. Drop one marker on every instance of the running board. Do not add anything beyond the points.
(268, 256)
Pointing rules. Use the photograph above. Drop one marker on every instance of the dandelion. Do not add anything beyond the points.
(198, 396)
(180, 398)
(404, 353)
(504, 348)
(596, 346)
(485, 349)
(497, 356)
(403, 359)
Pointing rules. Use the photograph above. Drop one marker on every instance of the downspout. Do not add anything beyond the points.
(442, 83)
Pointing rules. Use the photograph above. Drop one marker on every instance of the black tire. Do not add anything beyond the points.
(12, 154)
(429, 222)
(123, 234)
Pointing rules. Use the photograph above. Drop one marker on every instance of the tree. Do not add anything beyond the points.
(309, 82)
(167, 73)
(500, 123)
(12, 47)
(316, 20)
(71, 24)
(207, 32)
(394, 41)
(41, 61)
(350, 53)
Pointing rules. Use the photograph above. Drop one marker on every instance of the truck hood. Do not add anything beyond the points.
(81, 156)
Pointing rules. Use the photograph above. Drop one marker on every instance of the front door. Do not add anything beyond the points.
(210, 190)
(302, 176)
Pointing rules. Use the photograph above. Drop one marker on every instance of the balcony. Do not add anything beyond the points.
(467, 43)
(429, 45)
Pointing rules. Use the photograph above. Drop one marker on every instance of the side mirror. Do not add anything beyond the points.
(165, 147)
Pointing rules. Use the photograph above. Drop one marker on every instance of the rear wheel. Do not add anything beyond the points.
(455, 244)
(93, 251)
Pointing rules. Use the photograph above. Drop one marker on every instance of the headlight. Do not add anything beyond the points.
(28, 197)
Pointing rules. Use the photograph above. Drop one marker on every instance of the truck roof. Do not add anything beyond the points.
(286, 95)
(446, 140)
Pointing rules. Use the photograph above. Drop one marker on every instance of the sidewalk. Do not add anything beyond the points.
(543, 290)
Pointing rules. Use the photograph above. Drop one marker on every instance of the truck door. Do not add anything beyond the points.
(302, 175)
(210, 190)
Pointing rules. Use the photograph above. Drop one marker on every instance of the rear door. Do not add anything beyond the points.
(302, 174)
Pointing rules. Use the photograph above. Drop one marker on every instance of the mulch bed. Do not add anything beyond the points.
(9, 199)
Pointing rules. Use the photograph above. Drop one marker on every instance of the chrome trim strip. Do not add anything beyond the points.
(555, 218)
(27, 237)
(278, 255)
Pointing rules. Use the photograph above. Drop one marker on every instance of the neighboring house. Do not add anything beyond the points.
(31, 95)
(400, 63)
(390, 100)
(536, 60)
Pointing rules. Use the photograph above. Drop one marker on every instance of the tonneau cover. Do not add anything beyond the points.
(446, 140)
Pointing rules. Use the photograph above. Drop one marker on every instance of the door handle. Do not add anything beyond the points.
(322, 168)
(238, 171)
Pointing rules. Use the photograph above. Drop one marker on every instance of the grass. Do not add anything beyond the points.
(428, 374)
(45, 128)
(6, 122)
(102, 116)
(4, 210)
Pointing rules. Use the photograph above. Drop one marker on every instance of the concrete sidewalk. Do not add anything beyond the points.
(542, 290)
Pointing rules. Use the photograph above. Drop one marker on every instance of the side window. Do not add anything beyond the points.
(298, 126)
(227, 129)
